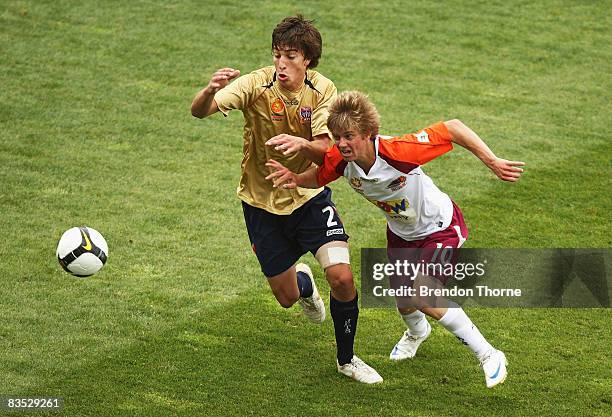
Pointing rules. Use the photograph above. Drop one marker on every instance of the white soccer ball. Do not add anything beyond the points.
(82, 251)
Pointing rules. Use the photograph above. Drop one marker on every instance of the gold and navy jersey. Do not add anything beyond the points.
(270, 110)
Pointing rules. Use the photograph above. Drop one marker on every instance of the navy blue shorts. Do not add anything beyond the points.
(280, 240)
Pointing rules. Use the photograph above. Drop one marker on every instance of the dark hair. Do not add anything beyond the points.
(299, 33)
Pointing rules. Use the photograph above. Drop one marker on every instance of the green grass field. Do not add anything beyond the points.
(95, 129)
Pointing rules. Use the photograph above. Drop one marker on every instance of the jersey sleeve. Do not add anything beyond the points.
(332, 167)
(418, 148)
(238, 94)
(321, 113)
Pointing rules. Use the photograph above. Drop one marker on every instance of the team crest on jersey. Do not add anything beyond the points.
(305, 114)
(422, 136)
(397, 183)
(356, 183)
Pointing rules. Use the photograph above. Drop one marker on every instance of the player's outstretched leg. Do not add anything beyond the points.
(360, 371)
(418, 331)
(493, 361)
(345, 315)
(310, 300)
(494, 367)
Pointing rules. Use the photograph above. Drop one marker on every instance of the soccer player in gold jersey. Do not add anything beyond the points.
(289, 101)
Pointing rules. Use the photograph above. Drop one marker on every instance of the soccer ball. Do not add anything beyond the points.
(82, 251)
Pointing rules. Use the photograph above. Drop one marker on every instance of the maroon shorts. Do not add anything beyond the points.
(452, 237)
(435, 251)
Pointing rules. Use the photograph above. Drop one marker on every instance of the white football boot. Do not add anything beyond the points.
(359, 371)
(408, 345)
(313, 306)
(494, 367)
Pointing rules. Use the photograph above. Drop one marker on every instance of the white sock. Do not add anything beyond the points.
(458, 323)
(416, 322)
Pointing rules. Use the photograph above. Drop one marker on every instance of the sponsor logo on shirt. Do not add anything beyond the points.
(372, 180)
(398, 210)
(397, 183)
(305, 114)
(277, 106)
(393, 206)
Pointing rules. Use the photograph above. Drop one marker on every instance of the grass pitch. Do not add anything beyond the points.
(95, 130)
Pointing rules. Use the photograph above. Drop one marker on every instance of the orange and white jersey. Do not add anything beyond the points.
(412, 203)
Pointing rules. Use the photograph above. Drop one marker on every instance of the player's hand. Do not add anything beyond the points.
(221, 78)
(507, 170)
(287, 144)
(281, 177)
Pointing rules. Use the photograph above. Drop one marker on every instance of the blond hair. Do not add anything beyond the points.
(353, 110)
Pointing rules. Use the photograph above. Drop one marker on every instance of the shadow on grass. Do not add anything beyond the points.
(252, 358)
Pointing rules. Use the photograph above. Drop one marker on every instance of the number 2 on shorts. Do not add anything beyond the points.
(330, 220)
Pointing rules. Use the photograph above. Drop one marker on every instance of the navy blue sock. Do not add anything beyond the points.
(345, 316)
(304, 284)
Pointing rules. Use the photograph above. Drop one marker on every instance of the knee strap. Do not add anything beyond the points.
(333, 253)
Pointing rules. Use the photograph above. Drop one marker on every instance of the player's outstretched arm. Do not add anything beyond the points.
(203, 104)
(282, 177)
(313, 149)
(464, 136)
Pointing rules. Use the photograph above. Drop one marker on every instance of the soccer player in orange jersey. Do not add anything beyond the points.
(291, 99)
(386, 171)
